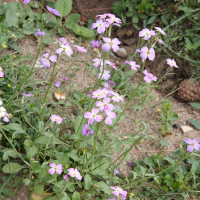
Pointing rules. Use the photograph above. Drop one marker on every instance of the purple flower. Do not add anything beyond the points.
(106, 86)
(116, 97)
(89, 93)
(45, 61)
(105, 104)
(111, 43)
(6, 117)
(145, 52)
(57, 83)
(132, 64)
(110, 115)
(93, 116)
(86, 131)
(113, 19)
(38, 33)
(148, 76)
(55, 168)
(117, 191)
(159, 40)
(53, 11)
(193, 144)
(65, 47)
(172, 63)
(60, 79)
(101, 26)
(27, 95)
(160, 30)
(112, 83)
(105, 15)
(146, 33)
(98, 94)
(113, 66)
(1, 73)
(64, 177)
(106, 74)
(82, 49)
(26, 1)
(96, 44)
(98, 62)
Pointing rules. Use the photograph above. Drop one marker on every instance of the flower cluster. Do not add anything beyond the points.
(59, 169)
(59, 80)
(117, 192)
(3, 114)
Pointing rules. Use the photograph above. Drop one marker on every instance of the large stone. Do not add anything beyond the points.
(121, 32)
(122, 52)
(160, 67)
(130, 31)
(129, 49)
(129, 41)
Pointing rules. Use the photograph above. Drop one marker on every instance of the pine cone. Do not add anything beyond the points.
(189, 91)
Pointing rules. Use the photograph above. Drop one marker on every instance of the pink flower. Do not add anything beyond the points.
(113, 19)
(117, 191)
(26, 1)
(132, 64)
(160, 30)
(146, 33)
(105, 15)
(101, 26)
(111, 43)
(113, 66)
(148, 76)
(2, 111)
(105, 104)
(60, 79)
(96, 44)
(6, 117)
(106, 86)
(106, 74)
(1, 73)
(98, 62)
(116, 97)
(89, 93)
(74, 173)
(93, 116)
(110, 115)
(82, 49)
(55, 118)
(98, 94)
(65, 177)
(112, 83)
(159, 40)
(55, 168)
(53, 11)
(194, 144)
(27, 95)
(45, 61)
(65, 47)
(171, 63)
(38, 33)
(146, 53)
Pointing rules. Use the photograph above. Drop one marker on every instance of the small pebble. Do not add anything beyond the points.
(176, 126)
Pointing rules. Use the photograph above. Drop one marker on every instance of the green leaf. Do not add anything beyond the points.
(195, 123)
(9, 152)
(164, 20)
(135, 19)
(151, 19)
(195, 105)
(104, 187)
(31, 151)
(196, 166)
(64, 7)
(87, 180)
(11, 16)
(11, 168)
(78, 123)
(27, 181)
(73, 155)
(76, 196)
(142, 16)
(164, 143)
(81, 30)
(136, 26)
(52, 22)
(74, 17)
(39, 188)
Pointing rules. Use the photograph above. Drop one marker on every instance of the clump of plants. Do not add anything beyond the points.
(66, 158)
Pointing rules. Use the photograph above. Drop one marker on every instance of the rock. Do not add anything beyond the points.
(176, 126)
(121, 32)
(129, 41)
(129, 49)
(57, 95)
(122, 52)
(171, 84)
(130, 31)
(186, 129)
(160, 67)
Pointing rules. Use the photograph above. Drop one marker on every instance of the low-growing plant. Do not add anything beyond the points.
(65, 156)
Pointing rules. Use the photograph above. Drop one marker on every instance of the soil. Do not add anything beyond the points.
(127, 126)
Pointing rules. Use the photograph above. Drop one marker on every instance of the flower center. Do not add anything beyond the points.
(55, 168)
(74, 174)
(93, 115)
(148, 52)
(146, 33)
(192, 144)
(64, 48)
(110, 43)
(99, 25)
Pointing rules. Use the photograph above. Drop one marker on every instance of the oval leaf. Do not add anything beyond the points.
(152, 19)
(11, 168)
(64, 7)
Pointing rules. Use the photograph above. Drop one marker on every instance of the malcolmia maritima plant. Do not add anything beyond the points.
(101, 110)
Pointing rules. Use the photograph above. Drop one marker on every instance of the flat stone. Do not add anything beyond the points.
(129, 41)
(122, 53)
(186, 129)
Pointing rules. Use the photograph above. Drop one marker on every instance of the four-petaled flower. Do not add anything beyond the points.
(116, 97)
(55, 118)
(101, 26)
(111, 43)
(81, 49)
(132, 64)
(74, 173)
(172, 63)
(105, 104)
(146, 33)
(109, 116)
(105, 75)
(45, 61)
(193, 144)
(55, 168)
(98, 94)
(27, 95)
(86, 130)
(65, 47)
(1, 73)
(26, 1)
(148, 76)
(93, 116)
(146, 53)
(117, 191)
(2, 111)
(53, 11)
(160, 30)
(38, 33)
